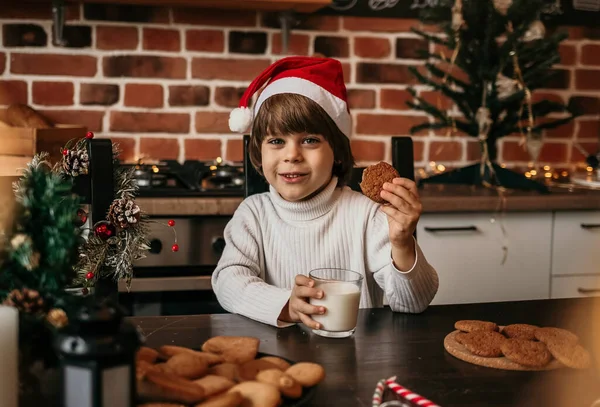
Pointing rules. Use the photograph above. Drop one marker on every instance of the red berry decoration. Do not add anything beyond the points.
(89, 275)
(104, 230)
(85, 291)
(65, 151)
(171, 222)
(89, 135)
(82, 217)
(175, 247)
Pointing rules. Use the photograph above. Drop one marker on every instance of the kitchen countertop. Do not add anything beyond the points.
(411, 346)
(435, 199)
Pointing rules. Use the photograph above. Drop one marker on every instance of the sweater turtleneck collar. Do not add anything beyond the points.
(309, 209)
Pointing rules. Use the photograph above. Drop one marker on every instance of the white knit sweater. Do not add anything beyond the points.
(270, 240)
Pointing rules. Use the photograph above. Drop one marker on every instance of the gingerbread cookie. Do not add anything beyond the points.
(229, 370)
(472, 325)
(373, 178)
(249, 370)
(556, 335)
(484, 343)
(526, 352)
(279, 362)
(573, 356)
(160, 386)
(306, 373)
(286, 385)
(186, 365)
(170, 351)
(214, 384)
(234, 349)
(233, 399)
(257, 394)
(523, 331)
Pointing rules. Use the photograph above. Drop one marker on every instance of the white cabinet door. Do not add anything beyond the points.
(576, 243)
(575, 286)
(466, 250)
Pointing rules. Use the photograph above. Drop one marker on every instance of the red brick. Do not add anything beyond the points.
(35, 11)
(473, 150)
(590, 148)
(13, 92)
(159, 148)
(347, 70)
(2, 62)
(361, 98)
(554, 153)
(566, 131)
(568, 54)
(418, 150)
(590, 54)
(91, 119)
(394, 99)
(141, 95)
(212, 122)
(368, 72)
(150, 122)
(538, 96)
(387, 124)
(185, 95)
(587, 79)
(235, 150)
(445, 151)
(298, 44)
(312, 22)
(198, 149)
(437, 99)
(228, 69)
(127, 148)
(364, 150)
(228, 96)
(213, 17)
(53, 64)
(145, 66)
(156, 39)
(110, 37)
(53, 93)
(453, 71)
(376, 24)
(369, 47)
(512, 151)
(588, 129)
(98, 94)
(205, 40)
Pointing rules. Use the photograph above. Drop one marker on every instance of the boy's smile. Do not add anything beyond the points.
(297, 166)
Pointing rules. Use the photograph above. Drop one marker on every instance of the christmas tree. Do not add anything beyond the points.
(504, 54)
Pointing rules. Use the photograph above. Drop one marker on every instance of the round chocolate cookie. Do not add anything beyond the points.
(526, 352)
(373, 178)
(523, 331)
(472, 325)
(484, 343)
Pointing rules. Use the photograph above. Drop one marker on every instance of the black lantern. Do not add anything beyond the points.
(97, 356)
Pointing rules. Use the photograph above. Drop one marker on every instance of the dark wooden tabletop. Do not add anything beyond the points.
(411, 347)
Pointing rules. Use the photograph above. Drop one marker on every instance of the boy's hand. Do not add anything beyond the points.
(297, 308)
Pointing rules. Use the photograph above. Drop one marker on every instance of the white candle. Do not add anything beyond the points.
(9, 352)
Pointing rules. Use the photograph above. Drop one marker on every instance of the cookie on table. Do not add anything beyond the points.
(186, 365)
(214, 384)
(249, 370)
(523, 331)
(306, 373)
(526, 352)
(169, 351)
(279, 362)
(233, 399)
(472, 325)
(233, 349)
(556, 335)
(160, 386)
(230, 371)
(286, 385)
(484, 343)
(373, 178)
(256, 394)
(573, 356)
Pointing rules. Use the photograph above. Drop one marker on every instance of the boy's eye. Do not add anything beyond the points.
(275, 141)
(311, 140)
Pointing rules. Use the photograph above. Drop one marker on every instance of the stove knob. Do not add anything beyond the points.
(218, 245)
(155, 246)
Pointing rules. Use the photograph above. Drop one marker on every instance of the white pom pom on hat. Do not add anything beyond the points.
(319, 79)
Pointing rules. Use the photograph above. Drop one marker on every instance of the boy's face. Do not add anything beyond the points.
(297, 165)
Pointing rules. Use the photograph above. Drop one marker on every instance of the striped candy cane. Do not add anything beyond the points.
(407, 394)
(378, 395)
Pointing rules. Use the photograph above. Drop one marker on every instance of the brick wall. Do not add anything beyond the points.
(162, 81)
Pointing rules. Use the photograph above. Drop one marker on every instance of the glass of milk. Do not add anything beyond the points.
(341, 297)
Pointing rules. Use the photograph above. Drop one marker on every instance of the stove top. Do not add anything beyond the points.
(169, 178)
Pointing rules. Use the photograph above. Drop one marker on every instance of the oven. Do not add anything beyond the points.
(178, 283)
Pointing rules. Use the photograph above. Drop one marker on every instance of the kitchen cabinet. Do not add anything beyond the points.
(575, 286)
(466, 250)
(301, 6)
(576, 243)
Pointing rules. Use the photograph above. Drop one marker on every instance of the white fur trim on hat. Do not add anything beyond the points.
(335, 107)
(240, 119)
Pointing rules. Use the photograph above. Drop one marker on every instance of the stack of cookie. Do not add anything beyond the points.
(517, 345)
(225, 373)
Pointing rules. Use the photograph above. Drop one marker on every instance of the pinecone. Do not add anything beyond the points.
(124, 213)
(76, 162)
(57, 317)
(25, 300)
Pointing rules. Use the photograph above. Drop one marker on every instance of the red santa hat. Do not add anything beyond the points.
(319, 79)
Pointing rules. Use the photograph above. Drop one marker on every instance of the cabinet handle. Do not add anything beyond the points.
(452, 229)
(588, 290)
(590, 225)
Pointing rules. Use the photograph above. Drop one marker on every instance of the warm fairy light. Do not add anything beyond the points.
(503, 165)
(441, 167)
(155, 169)
(548, 175)
(564, 173)
(533, 172)
(432, 164)
(546, 168)
(219, 160)
(528, 174)
(212, 167)
(589, 169)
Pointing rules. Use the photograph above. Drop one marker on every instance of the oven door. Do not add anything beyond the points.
(177, 283)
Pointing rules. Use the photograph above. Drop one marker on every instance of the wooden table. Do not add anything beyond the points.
(411, 347)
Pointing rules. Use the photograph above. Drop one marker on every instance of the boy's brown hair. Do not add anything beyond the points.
(290, 113)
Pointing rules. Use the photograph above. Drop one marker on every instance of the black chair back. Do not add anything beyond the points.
(254, 182)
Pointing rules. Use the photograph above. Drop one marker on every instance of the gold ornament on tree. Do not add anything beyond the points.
(536, 31)
(57, 318)
(502, 6)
